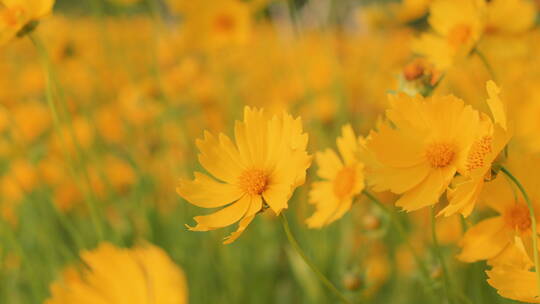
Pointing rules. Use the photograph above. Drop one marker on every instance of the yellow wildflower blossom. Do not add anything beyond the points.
(344, 179)
(264, 167)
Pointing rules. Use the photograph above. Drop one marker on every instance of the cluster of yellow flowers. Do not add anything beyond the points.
(444, 93)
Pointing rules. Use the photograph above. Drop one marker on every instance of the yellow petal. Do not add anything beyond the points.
(277, 196)
(255, 206)
(398, 180)
(224, 217)
(322, 195)
(497, 107)
(515, 283)
(428, 192)
(484, 241)
(219, 158)
(205, 192)
(396, 148)
(463, 197)
(329, 164)
(347, 144)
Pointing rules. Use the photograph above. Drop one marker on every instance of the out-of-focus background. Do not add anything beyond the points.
(139, 81)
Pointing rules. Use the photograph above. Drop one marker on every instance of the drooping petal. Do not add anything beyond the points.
(515, 283)
(484, 241)
(255, 206)
(428, 192)
(224, 217)
(205, 192)
(326, 202)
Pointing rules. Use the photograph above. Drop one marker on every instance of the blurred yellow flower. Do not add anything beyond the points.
(15, 15)
(421, 147)
(458, 25)
(344, 179)
(510, 16)
(264, 167)
(216, 23)
(491, 140)
(492, 238)
(113, 275)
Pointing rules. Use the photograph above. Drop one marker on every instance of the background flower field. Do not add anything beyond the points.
(134, 84)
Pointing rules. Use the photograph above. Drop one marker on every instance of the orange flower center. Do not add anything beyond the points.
(459, 35)
(224, 23)
(478, 152)
(344, 182)
(253, 181)
(518, 217)
(440, 155)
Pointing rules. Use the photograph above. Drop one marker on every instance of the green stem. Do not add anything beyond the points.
(533, 222)
(47, 69)
(401, 231)
(488, 66)
(439, 255)
(314, 268)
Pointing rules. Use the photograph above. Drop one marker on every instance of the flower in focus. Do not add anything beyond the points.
(263, 168)
(490, 141)
(458, 25)
(344, 179)
(113, 275)
(421, 147)
(16, 15)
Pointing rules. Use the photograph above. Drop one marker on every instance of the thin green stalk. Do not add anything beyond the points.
(45, 62)
(438, 253)
(320, 275)
(533, 222)
(401, 231)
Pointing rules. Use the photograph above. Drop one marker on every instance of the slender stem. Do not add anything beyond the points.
(484, 60)
(45, 62)
(439, 255)
(314, 268)
(401, 230)
(533, 222)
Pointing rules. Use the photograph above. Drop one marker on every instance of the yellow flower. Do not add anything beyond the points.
(492, 238)
(490, 141)
(421, 147)
(458, 25)
(144, 275)
(217, 23)
(344, 179)
(264, 167)
(17, 14)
